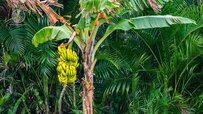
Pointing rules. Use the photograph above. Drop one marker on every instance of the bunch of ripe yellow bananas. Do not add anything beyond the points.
(67, 64)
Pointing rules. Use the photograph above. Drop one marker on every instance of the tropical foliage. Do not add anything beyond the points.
(138, 70)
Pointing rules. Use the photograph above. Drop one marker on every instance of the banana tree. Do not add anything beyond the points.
(95, 13)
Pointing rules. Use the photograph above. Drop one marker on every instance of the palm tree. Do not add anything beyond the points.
(159, 70)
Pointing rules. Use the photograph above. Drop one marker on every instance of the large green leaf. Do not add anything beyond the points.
(144, 22)
(51, 33)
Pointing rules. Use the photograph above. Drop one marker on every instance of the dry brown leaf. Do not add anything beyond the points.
(36, 6)
(154, 5)
(50, 13)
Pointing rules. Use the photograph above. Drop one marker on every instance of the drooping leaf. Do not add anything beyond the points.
(51, 33)
(34, 7)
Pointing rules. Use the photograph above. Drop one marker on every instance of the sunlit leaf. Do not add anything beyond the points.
(51, 33)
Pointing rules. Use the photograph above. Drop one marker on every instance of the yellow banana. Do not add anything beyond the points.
(71, 73)
(74, 72)
(62, 79)
(63, 73)
(69, 54)
(64, 66)
(71, 80)
(67, 64)
(59, 68)
(67, 70)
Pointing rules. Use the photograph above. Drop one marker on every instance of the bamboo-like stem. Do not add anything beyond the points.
(74, 99)
(46, 92)
(60, 99)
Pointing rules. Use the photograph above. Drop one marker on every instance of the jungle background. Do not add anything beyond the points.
(150, 71)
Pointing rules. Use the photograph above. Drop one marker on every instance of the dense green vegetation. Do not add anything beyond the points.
(149, 71)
